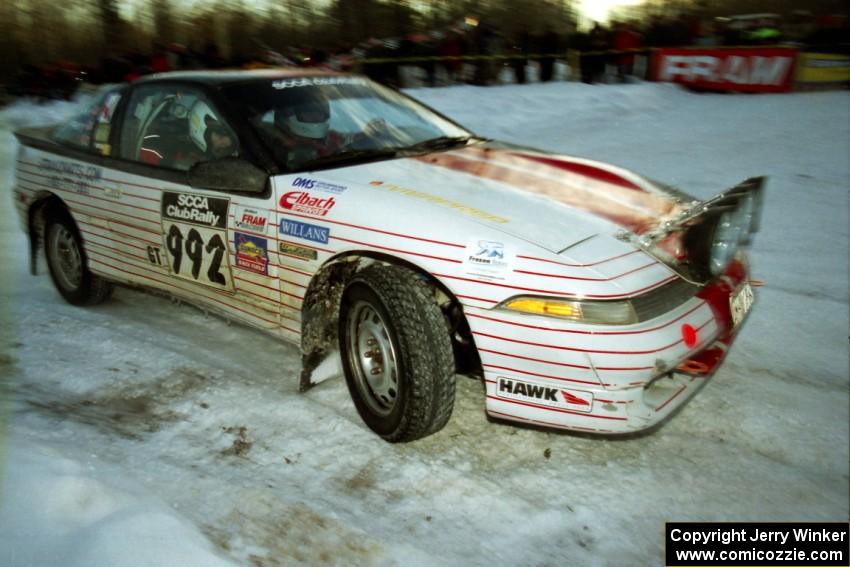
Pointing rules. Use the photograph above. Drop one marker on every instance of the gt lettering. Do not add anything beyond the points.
(154, 255)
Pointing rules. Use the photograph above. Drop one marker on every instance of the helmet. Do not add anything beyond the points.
(200, 117)
(306, 115)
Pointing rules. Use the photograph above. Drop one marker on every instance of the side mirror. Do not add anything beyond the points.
(231, 174)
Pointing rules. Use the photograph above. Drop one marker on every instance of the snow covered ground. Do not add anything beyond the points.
(143, 432)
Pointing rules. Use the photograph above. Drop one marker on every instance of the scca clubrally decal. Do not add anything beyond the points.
(195, 234)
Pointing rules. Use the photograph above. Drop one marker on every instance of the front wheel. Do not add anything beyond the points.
(66, 260)
(396, 353)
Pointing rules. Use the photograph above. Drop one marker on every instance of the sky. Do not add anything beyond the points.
(598, 10)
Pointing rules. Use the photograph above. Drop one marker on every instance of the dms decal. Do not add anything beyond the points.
(310, 183)
(252, 253)
(488, 259)
(574, 400)
(305, 231)
(297, 251)
(250, 219)
(304, 202)
(201, 210)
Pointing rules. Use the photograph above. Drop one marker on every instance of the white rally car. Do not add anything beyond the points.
(336, 213)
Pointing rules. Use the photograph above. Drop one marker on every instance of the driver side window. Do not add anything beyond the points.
(174, 127)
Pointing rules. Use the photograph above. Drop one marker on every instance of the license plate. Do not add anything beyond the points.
(740, 303)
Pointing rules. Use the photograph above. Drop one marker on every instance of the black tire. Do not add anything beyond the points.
(68, 264)
(389, 321)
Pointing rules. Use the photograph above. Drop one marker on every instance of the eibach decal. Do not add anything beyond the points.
(194, 231)
(304, 202)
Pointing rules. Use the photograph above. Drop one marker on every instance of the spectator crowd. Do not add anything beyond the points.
(472, 52)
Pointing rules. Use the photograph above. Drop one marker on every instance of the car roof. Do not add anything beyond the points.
(226, 76)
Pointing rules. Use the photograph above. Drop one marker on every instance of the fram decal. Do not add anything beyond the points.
(251, 253)
(733, 69)
(318, 184)
(305, 231)
(304, 202)
(250, 219)
(574, 400)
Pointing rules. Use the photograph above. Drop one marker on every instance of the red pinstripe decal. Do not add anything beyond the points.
(635, 251)
(256, 284)
(81, 204)
(601, 401)
(303, 245)
(594, 351)
(612, 278)
(122, 182)
(529, 373)
(573, 331)
(370, 229)
(476, 298)
(298, 297)
(671, 398)
(558, 410)
(567, 364)
(562, 293)
(113, 201)
(291, 269)
(395, 250)
(549, 423)
(170, 284)
(78, 221)
(145, 259)
(295, 257)
(96, 235)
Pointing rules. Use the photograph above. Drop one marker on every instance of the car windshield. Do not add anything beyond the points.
(321, 121)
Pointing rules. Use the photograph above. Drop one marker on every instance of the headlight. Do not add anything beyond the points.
(590, 312)
(729, 233)
(715, 237)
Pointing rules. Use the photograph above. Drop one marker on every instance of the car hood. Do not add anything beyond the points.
(550, 200)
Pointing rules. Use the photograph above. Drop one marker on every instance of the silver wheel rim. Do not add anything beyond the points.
(372, 358)
(67, 261)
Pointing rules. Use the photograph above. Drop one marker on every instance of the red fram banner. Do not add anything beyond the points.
(746, 69)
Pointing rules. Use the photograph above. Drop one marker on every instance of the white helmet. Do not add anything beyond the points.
(306, 116)
(200, 117)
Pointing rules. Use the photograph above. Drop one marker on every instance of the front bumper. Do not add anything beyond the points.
(612, 380)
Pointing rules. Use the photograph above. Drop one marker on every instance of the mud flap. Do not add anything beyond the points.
(320, 318)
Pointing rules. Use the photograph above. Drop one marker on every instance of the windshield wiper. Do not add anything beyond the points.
(349, 157)
(438, 143)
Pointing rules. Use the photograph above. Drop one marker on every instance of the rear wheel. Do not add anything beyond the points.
(66, 260)
(396, 353)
